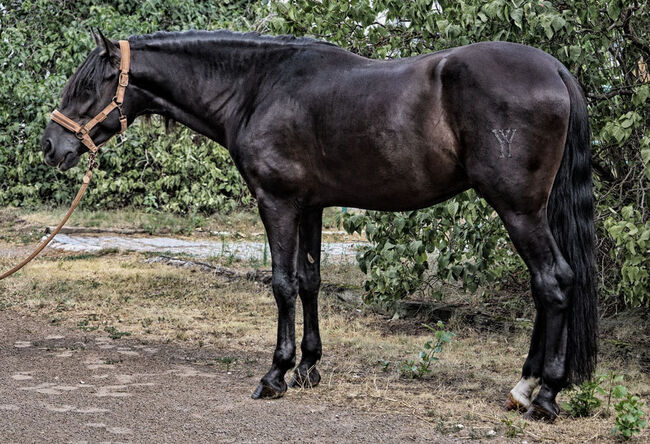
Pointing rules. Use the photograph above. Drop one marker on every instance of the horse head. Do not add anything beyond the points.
(91, 91)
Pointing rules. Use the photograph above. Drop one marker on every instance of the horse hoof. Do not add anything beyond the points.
(305, 379)
(265, 391)
(538, 412)
(514, 404)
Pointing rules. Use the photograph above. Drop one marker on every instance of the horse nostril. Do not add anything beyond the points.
(47, 146)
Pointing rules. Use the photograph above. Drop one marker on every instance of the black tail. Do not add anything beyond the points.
(571, 217)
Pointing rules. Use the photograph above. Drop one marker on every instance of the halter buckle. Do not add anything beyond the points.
(123, 122)
(124, 79)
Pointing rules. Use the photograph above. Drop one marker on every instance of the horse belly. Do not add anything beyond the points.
(390, 178)
(396, 154)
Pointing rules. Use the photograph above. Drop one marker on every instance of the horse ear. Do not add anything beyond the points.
(107, 47)
(96, 38)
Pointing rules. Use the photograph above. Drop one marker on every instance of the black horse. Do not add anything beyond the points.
(310, 125)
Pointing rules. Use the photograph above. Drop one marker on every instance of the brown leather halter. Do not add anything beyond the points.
(82, 133)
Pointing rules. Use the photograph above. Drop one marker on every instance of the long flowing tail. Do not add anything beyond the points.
(571, 217)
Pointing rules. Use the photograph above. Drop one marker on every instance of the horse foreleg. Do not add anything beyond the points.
(306, 374)
(281, 220)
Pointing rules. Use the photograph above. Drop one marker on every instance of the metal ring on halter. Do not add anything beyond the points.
(83, 132)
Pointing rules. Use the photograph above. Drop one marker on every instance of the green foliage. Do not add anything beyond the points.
(632, 237)
(583, 400)
(227, 361)
(603, 42)
(463, 238)
(114, 333)
(42, 44)
(629, 416)
(415, 370)
(514, 425)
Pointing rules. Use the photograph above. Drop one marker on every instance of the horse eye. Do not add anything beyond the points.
(109, 74)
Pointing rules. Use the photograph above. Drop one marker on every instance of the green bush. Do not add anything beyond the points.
(632, 237)
(429, 355)
(583, 400)
(463, 238)
(42, 44)
(629, 416)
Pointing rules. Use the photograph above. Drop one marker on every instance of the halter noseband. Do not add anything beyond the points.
(82, 131)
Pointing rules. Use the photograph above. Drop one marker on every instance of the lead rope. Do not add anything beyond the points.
(86, 181)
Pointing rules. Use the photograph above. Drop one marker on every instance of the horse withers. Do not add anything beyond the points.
(310, 125)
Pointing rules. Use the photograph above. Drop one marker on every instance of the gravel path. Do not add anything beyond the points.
(338, 252)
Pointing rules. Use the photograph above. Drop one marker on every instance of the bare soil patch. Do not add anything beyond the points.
(61, 385)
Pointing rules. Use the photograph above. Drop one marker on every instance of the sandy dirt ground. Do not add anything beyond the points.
(60, 385)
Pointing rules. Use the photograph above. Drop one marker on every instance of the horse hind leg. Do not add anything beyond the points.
(551, 278)
(306, 375)
(520, 397)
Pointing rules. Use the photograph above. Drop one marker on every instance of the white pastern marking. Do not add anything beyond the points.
(524, 389)
(504, 136)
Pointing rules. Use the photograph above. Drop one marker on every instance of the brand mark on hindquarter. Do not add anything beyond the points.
(504, 136)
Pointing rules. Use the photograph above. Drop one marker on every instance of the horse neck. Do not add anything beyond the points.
(204, 86)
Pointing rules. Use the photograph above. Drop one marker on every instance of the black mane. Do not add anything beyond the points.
(89, 75)
(224, 36)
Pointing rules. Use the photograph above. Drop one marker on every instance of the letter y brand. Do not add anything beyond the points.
(504, 136)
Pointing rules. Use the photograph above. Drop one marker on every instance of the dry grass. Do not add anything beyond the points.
(155, 302)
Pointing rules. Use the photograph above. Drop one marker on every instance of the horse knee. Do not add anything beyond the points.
(309, 282)
(285, 287)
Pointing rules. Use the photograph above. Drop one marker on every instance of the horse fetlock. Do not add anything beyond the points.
(311, 348)
(542, 410)
(284, 359)
(554, 377)
(305, 377)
